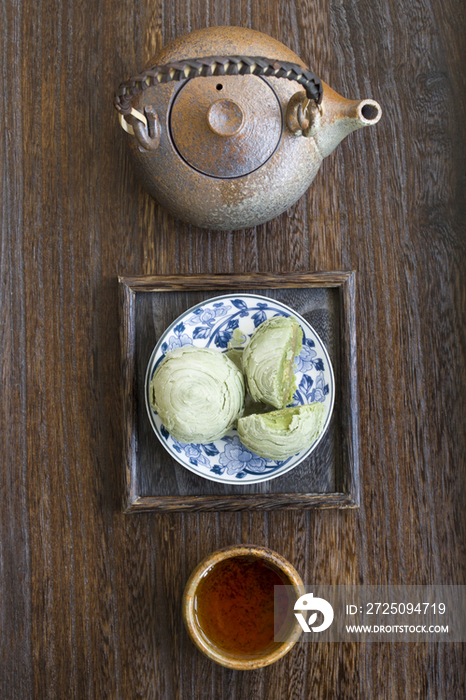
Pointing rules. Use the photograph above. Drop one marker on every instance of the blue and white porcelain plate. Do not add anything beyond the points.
(220, 323)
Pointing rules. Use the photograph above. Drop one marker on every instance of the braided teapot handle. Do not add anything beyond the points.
(219, 66)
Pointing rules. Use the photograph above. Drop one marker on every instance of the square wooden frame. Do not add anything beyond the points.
(348, 497)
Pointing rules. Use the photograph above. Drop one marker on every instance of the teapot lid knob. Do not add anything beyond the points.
(225, 117)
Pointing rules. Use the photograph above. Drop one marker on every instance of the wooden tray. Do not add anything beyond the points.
(328, 478)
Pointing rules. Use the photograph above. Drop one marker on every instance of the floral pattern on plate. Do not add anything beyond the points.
(229, 321)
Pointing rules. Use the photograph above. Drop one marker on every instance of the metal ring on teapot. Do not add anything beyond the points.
(134, 113)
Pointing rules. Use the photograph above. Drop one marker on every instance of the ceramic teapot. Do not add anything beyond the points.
(228, 128)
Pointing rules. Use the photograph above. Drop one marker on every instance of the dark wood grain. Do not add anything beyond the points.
(90, 597)
(227, 282)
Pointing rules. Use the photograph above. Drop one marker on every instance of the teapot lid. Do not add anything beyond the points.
(226, 127)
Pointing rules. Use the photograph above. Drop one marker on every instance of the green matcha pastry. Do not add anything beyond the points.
(282, 434)
(198, 394)
(268, 360)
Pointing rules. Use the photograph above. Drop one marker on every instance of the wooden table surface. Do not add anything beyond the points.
(90, 598)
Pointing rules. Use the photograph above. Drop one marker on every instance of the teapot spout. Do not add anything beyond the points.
(338, 117)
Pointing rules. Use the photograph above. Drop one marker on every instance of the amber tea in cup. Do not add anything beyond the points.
(237, 600)
(236, 608)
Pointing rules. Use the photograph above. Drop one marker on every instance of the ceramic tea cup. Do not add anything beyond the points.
(232, 609)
